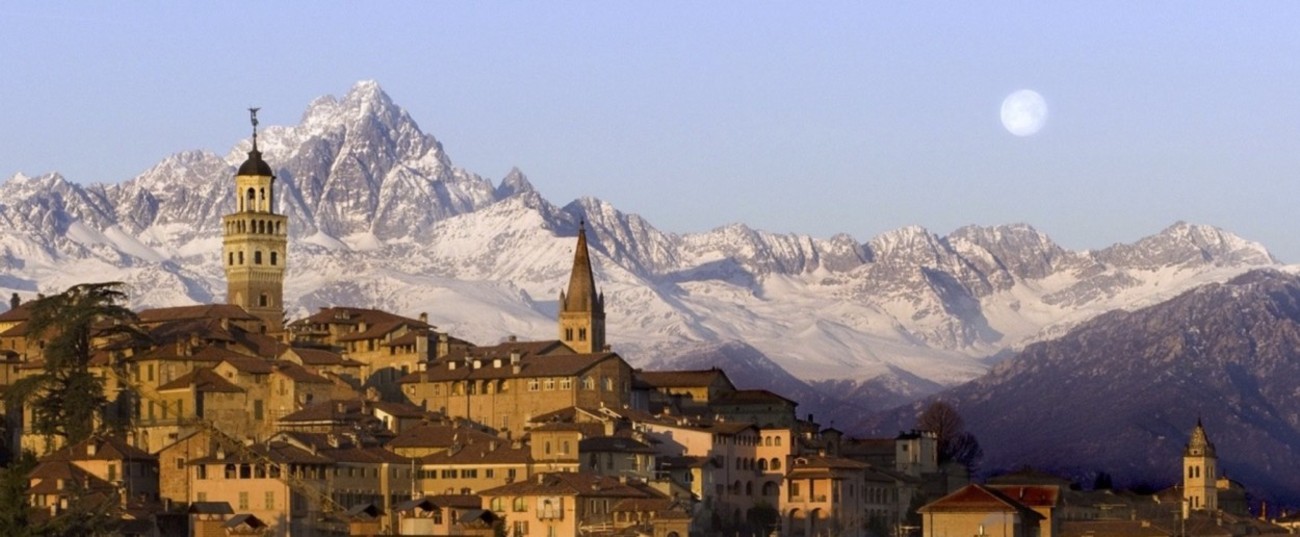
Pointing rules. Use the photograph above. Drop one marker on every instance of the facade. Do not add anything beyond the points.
(976, 510)
(255, 243)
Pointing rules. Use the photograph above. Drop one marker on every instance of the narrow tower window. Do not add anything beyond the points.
(257, 257)
(274, 255)
(241, 257)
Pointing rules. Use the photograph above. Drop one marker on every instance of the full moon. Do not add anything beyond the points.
(1024, 112)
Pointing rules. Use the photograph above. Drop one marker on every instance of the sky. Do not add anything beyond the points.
(807, 117)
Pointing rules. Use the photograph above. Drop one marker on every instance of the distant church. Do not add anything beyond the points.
(1200, 470)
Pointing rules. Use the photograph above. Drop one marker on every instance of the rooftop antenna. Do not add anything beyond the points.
(252, 113)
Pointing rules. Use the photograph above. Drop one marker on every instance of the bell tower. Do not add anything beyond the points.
(1200, 473)
(255, 241)
(582, 308)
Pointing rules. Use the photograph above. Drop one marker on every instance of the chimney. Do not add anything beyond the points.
(424, 317)
(91, 448)
(451, 365)
(444, 346)
(477, 363)
(513, 338)
(514, 357)
(14, 302)
(496, 363)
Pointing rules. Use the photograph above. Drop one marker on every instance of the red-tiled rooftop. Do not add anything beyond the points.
(682, 379)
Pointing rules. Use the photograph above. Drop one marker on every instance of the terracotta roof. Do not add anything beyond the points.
(494, 451)
(683, 379)
(504, 349)
(250, 364)
(201, 311)
(336, 411)
(18, 314)
(202, 380)
(400, 410)
(587, 429)
(320, 357)
(1031, 495)
(277, 451)
(686, 461)
(573, 484)
(978, 499)
(615, 444)
(437, 436)
(106, 448)
(299, 373)
(557, 365)
(49, 473)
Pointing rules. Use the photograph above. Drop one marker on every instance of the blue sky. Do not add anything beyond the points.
(816, 118)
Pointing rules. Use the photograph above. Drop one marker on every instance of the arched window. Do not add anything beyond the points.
(241, 257)
(762, 465)
(257, 257)
(777, 440)
(275, 257)
(776, 463)
(767, 440)
(519, 505)
(251, 197)
(232, 258)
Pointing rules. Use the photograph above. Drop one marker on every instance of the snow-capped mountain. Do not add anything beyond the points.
(380, 217)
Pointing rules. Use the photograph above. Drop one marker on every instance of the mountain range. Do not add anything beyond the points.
(380, 217)
(1121, 392)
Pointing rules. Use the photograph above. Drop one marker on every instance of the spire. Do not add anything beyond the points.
(582, 295)
(1199, 445)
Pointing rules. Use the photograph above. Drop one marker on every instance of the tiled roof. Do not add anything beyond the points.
(321, 357)
(18, 314)
(504, 349)
(437, 436)
(277, 451)
(202, 380)
(615, 444)
(250, 364)
(49, 473)
(1031, 495)
(202, 311)
(978, 499)
(300, 374)
(558, 365)
(682, 379)
(106, 448)
(573, 484)
(494, 451)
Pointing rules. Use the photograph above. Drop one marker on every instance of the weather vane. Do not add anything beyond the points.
(252, 113)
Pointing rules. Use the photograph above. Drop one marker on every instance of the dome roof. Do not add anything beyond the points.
(255, 165)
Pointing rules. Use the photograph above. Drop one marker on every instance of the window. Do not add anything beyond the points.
(582, 334)
(257, 257)
(564, 448)
(232, 258)
(568, 334)
(203, 496)
(263, 301)
(257, 409)
(550, 385)
(489, 473)
(519, 506)
(274, 257)
(588, 383)
(776, 463)
(150, 372)
(270, 499)
(566, 383)
(243, 501)
(498, 505)
(510, 474)
(241, 257)
(533, 385)
(609, 384)
(180, 463)
(112, 472)
(469, 473)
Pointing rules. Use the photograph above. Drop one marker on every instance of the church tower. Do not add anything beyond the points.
(1200, 473)
(255, 240)
(582, 309)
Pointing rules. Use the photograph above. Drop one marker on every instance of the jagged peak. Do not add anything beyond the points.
(514, 183)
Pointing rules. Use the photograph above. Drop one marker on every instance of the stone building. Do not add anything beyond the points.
(255, 241)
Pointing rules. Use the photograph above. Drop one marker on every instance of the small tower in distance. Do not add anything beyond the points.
(255, 241)
(1200, 472)
(582, 308)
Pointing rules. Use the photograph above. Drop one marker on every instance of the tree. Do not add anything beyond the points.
(955, 443)
(14, 509)
(66, 397)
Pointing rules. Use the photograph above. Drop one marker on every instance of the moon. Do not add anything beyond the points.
(1024, 112)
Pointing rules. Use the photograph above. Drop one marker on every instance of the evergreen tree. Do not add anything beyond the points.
(65, 398)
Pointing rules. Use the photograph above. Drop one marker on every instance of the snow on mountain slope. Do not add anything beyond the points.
(379, 217)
